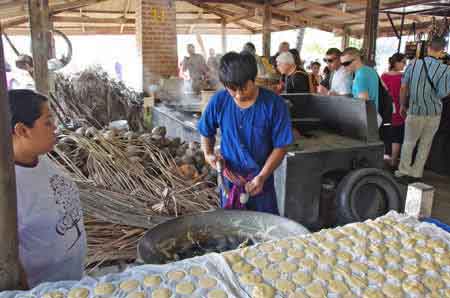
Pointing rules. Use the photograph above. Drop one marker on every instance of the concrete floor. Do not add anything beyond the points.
(441, 203)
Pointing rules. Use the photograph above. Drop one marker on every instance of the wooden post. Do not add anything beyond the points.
(371, 31)
(267, 22)
(9, 263)
(345, 42)
(39, 25)
(224, 36)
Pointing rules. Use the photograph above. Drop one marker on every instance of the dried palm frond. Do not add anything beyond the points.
(128, 184)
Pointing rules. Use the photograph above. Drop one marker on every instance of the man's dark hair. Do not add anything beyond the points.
(25, 106)
(249, 47)
(437, 43)
(333, 51)
(236, 70)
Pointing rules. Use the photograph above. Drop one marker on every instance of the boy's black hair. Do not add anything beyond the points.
(236, 70)
(25, 106)
(249, 47)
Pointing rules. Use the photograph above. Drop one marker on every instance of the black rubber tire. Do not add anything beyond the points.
(353, 183)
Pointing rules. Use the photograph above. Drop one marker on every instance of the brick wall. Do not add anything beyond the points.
(156, 39)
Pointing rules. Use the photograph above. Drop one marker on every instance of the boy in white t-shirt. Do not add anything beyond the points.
(52, 238)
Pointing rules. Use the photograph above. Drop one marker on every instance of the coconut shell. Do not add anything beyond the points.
(176, 142)
(129, 135)
(81, 131)
(199, 161)
(180, 151)
(194, 146)
(109, 135)
(90, 132)
(190, 152)
(159, 130)
(186, 159)
(188, 171)
(146, 137)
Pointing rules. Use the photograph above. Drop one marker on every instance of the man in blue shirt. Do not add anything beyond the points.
(365, 84)
(255, 130)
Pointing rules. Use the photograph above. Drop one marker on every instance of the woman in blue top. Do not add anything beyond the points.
(255, 131)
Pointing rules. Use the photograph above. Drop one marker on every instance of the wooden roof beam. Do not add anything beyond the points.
(386, 30)
(89, 20)
(296, 19)
(319, 7)
(73, 5)
(14, 22)
(401, 4)
(55, 9)
(250, 13)
(219, 12)
(125, 12)
(13, 4)
(126, 21)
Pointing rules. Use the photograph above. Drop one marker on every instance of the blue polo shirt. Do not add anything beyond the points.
(248, 136)
(366, 80)
(423, 99)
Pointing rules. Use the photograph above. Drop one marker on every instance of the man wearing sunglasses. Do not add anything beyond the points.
(341, 81)
(255, 130)
(365, 84)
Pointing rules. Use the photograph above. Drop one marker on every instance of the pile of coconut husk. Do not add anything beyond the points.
(92, 98)
(130, 182)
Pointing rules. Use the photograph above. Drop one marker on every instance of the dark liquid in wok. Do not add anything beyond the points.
(201, 244)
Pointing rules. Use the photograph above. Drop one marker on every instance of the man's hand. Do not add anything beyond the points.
(255, 186)
(403, 111)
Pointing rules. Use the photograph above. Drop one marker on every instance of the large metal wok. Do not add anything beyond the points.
(218, 225)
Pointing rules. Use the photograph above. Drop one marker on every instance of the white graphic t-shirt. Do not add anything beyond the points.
(52, 238)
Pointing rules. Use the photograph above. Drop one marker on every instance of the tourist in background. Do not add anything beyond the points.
(324, 85)
(282, 48)
(315, 76)
(393, 80)
(213, 61)
(293, 80)
(366, 83)
(250, 48)
(425, 82)
(195, 64)
(340, 80)
(298, 61)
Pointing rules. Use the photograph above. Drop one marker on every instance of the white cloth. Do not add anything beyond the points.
(417, 129)
(52, 238)
(341, 82)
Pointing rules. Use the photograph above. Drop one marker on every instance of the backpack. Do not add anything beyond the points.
(385, 104)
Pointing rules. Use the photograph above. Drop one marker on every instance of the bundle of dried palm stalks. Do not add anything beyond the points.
(110, 243)
(92, 98)
(129, 183)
